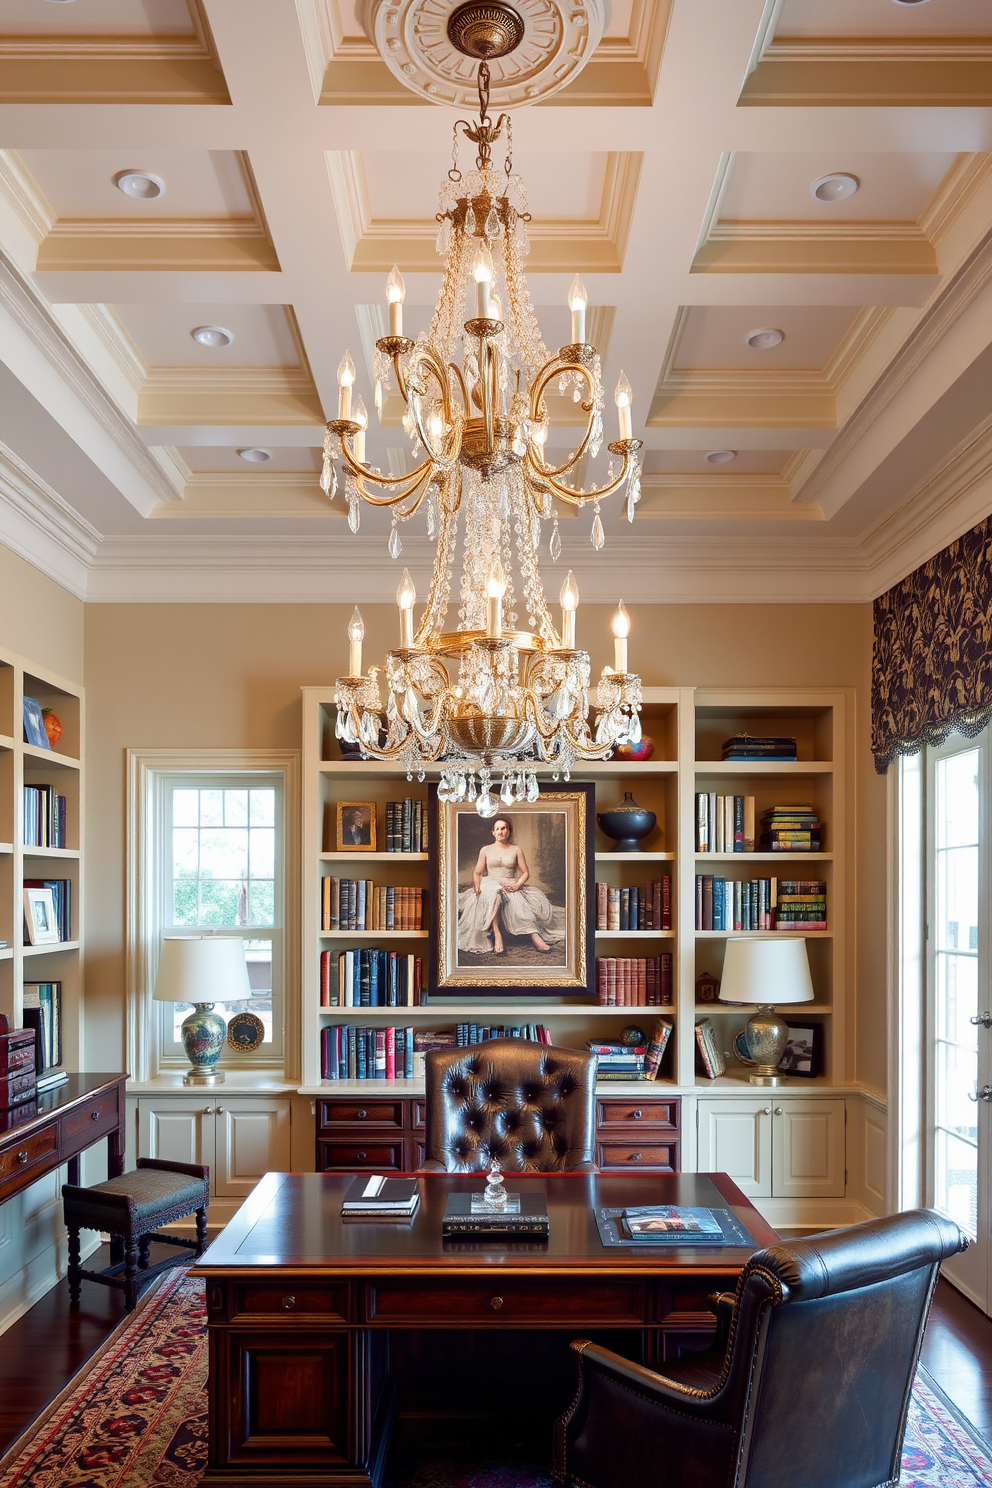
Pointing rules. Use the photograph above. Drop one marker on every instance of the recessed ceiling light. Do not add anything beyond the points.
(909, 2)
(834, 188)
(255, 456)
(764, 339)
(213, 336)
(720, 457)
(141, 185)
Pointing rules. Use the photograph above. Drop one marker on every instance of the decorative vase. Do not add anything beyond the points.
(641, 751)
(627, 824)
(53, 726)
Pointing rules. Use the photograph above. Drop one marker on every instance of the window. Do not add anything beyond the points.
(208, 851)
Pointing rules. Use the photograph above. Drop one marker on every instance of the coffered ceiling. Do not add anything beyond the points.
(676, 172)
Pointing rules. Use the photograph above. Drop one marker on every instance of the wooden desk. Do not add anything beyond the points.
(38, 1136)
(301, 1305)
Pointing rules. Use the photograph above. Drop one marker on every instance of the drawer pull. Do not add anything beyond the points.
(496, 1303)
(95, 1115)
(289, 1302)
(22, 1158)
(362, 1114)
(636, 1115)
(362, 1156)
(635, 1157)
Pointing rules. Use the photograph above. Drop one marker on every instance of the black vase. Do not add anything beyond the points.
(627, 824)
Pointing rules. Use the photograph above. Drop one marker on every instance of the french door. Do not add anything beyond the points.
(959, 1010)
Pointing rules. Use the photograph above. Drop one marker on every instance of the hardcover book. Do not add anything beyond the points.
(375, 1195)
(529, 1221)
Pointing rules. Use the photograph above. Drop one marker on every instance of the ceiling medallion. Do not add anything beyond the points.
(533, 47)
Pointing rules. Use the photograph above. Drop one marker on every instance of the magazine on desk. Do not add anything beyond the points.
(377, 1197)
(660, 1222)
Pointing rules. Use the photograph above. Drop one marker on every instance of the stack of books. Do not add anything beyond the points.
(525, 1217)
(44, 817)
(645, 906)
(790, 829)
(657, 1224)
(710, 1053)
(360, 904)
(477, 1033)
(735, 904)
(370, 978)
(18, 1067)
(619, 1061)
(750, 747)
(634, 981)
(802, 904)
(406, 825)
(724, 824)
(377, 1197)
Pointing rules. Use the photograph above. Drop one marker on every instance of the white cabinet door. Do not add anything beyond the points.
(735, 1137)
(808, 1149)
(252, 1138)
(177, 1129)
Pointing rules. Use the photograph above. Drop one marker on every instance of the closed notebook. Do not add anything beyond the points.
(672, 1222)
(375, 1194)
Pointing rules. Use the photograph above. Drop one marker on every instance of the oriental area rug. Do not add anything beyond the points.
(135, 1417)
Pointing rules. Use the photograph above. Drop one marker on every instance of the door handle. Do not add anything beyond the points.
(983, 1019)
(984, 1094)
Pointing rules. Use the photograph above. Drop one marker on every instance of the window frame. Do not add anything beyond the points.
(149, 773)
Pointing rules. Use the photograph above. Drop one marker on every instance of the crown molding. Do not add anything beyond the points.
(871, 72)
(42, 528)
(25, 198)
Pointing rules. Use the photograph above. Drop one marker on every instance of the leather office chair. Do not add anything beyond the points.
(808, 1382)
(530, 1107)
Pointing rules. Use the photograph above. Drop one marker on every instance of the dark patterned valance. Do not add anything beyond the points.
(931, 668)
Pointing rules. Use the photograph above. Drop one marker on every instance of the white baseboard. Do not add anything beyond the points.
(20, 1292)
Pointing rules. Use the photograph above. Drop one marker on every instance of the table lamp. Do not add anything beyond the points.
(767, 972)
(203, 969)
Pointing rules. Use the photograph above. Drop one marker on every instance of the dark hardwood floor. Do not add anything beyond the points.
(45, 1348)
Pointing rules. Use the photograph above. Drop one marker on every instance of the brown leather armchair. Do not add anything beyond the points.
(530, 1107)
(808, 1383)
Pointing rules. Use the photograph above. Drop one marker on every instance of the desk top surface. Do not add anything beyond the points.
(292, 1222)
(18, 1120)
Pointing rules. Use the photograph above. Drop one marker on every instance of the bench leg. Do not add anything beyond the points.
(144, 1244)
(75, 1280)
(131, 1275)
(201, 1231)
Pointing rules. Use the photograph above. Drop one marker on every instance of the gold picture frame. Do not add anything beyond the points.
(355, 826)
(512, 912)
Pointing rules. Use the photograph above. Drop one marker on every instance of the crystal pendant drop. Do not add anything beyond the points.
(554, 546)
(597, 537)
(354, 513)
(378, 399)
(522, 236)
(328, 479)
(487, 804)
(396, 546)
(444, 238)
(470, 221)
(431, 519)
(492, 224)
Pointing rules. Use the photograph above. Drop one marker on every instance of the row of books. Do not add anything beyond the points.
(790, 829)
(618, 1061)
(350, 1053)
(406, 825)
(44, 817)
(360, 904)
(645, 906)
(724, 824)
(62, 899)
(634, 981)
(477, 1033)
(757, 747)
(370, 978)
(710, 1054)
(760, 903)
(42, 1011)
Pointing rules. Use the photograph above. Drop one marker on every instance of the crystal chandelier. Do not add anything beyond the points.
(488, 694)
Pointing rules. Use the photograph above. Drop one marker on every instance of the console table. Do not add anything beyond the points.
(38, 1136)
(303, 1308)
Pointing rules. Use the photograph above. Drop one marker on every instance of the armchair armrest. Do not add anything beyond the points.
(722, 1305)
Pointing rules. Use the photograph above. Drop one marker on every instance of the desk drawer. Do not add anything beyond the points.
(654, 1152)
(329, 1304)
(379, 1113)
(33, 1149)
(92, 1121)
(513, 1302)
(355, 1152)
(638, 1113)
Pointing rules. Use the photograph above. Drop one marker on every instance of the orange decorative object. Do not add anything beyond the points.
(53, 726)
(642, 750)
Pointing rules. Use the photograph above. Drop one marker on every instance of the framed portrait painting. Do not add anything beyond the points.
(356, 826)
(804, 1051)
(511, 897)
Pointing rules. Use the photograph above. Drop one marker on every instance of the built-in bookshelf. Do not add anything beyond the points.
(688, 727)
(58, 769)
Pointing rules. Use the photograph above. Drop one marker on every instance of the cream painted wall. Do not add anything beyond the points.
(215, 676)
(39, 619)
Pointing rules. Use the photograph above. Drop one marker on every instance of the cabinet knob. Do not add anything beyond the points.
(362, 1156)
(496, 1303)
(766, 1110)
(778, 1110)
(635, 1157)
(220, 1110)
(362, 1114)
(22, 1158)
(208, 1110)
(95, 1115)
(636, 1115)
(289, 1303)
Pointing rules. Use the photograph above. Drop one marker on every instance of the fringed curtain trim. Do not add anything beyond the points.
(931, 668)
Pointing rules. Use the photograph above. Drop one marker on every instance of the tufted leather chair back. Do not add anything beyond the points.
(530, 1107)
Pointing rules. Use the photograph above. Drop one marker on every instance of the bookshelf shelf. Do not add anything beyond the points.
(372, 857)
(57, 948)
(744, 1010)
(635, 934)
(501, 1011)
(761, 934)
(49, 757)
(786, 768)
(70, 854)
(6, 953)
(6, 742)
(6, 847)
(640, 857)
(373, 934)
(766, 857)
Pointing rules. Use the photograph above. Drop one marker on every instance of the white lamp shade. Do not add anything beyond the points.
(202, 968)
(768, 972)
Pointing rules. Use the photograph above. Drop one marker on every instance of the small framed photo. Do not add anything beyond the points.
(356, 826)
(34, 725)
(804, 1052)
(40, 919)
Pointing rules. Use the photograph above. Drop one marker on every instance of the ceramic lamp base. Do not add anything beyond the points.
(766, 1035)
(203, 1033)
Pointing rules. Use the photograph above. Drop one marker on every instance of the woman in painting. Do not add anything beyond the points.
(499, 899)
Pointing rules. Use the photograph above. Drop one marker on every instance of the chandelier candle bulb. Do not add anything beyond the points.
(356, 634)
(621, 630)
(623, 397)
(361, 418)
(406, 594)
(482, 273)
(395, 295)
(346, 380)
(569, 604)
(578, 303)
(495, 590)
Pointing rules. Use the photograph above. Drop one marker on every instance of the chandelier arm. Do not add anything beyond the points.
(466, 400)
(551, 369)
(582, 498)
(401, 380)
(362, 473)
(422, 353)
